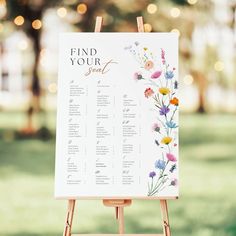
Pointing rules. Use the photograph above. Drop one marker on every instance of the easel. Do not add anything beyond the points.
(118, 204)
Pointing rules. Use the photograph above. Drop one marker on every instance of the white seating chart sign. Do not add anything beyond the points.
(117, 116)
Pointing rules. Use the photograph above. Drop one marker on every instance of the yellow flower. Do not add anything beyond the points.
(166, 140)
(164, 90)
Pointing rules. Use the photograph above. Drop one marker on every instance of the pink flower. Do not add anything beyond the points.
(171, 157)
(163, 56)
(156, 74)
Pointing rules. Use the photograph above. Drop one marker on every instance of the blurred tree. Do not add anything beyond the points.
(27, 15)
(118, 16)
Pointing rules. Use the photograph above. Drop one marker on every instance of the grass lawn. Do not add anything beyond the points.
(207, 205)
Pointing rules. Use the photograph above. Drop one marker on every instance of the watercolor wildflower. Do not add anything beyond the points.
(160, 164)
(174, 101)
(138, 76)
(148, 65)
(166, 140)
(156, 127)
(169, 74)
(164, 110)
(170, 124)
(163, 57)
(164, 90)
(174, 182)
(160, 77)
(176, 84)
(156, 74)
(148, 92)
(173, 167)
(152, 174)
(171, 157)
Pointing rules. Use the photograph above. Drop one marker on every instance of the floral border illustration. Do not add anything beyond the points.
(161, 88)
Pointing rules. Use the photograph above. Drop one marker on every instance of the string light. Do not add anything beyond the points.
(151, 8)
(188, 79)
(61, 12)
(175, 31)
(19, 20)
(82, 8)
(147, 28)
(37, 24)
(219, 66)
(175, 12)
(192, 2)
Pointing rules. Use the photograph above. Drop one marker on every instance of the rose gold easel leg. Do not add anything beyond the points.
(165, 218)
(121, 220)
(69, 218)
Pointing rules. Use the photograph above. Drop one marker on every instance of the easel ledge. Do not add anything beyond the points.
(116, 234)
(116, 198)
(118, 202)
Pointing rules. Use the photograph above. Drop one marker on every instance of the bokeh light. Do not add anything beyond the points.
(188, 79)
(52, 87)
(37, 24)
(151, 8)
(19, 20)
(192, 2)
(175, 31)
(82, 8)
(175, 12)
(61, 12)
(147, 27)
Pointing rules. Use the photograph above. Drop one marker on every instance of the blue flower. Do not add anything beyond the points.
(171, 124)
(160, 164)
(169, 74)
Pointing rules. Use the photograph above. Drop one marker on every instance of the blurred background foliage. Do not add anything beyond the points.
(29, 32)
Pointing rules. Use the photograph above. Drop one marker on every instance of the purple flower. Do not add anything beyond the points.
(174, 182)
(164, 110)
(160, 164)
(169, 74)
(152, 174)
(156, 74)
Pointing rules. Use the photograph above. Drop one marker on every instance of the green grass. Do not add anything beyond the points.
(207, 204)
